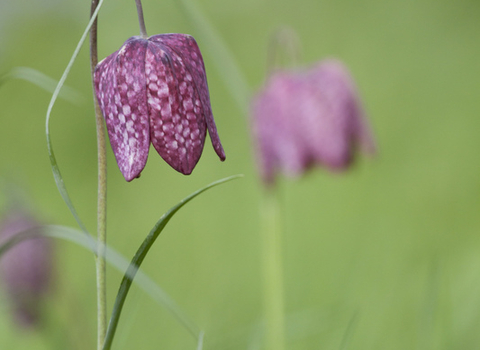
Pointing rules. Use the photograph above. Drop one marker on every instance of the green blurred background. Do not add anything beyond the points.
(386, 256)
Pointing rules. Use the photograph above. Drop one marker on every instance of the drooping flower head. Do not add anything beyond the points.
(26, 268)
(155, 90)
(309, 117)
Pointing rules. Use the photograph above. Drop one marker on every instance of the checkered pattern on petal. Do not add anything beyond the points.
(156, 90)
(186, 47)
(121, 91)
(177, 125)
(308, 117)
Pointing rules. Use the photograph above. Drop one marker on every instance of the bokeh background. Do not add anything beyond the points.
(385, 256)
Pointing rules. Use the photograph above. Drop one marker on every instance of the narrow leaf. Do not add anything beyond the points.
(349, 331)
(53, 161)
(113, 258)
(138, 259)
(200, 340)
(41, 80)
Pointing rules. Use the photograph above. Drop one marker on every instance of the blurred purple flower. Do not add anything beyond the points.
(26, 268)
(310, 117)
(155, 90)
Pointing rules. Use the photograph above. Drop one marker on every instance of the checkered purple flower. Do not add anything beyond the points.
(155, 91)
(303, 118)
(26, 268)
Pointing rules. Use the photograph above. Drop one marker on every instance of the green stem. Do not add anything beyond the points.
(102, 197)
(273, 273)
(283, 50)
(141, 21)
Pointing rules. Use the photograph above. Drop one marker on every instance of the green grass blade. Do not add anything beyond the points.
(347, 336)
(53, 161)
(61, 185)
(200, 340)
(114, 258)
(224, 61)
(42, 81)
(140, 256)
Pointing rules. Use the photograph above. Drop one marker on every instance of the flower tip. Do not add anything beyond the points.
(219, 151)
(129, 171)
(130, 178)
(222, 156)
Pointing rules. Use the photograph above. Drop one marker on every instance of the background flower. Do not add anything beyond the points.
(303, 118)
(26, 268)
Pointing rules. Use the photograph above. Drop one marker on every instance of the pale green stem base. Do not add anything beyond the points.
(101, 197)
(101, 230)
(272, 273)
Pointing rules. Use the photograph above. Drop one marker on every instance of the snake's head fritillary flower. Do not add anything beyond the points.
(303, 118)
(155, 91)
(26, 268)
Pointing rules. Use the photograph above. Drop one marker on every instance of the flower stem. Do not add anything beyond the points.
(283, 50)
(102, 196)
(141, 21)
(272, 273)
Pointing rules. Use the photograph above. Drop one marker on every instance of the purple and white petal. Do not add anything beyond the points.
(26, 270)
(156, 90)
(185, 47)
(309, 117)
(339, 110)
(122, 93)
(325, 123)
(177, 125)
(280, 141)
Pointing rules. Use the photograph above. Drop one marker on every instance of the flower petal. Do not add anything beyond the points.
(177, 124)
(121, 91)
(337, 125)
(280, 144)
(26, 268)
(309, 117)
(185, 47)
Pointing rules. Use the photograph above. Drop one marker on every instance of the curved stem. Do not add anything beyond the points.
(141, 21)
(101, 196)
(283, 50)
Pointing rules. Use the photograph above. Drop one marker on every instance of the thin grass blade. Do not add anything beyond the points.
(43, 81)
(347, 336)
(53, 161)
(140, 256)
(114, 258)
(200, 340)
